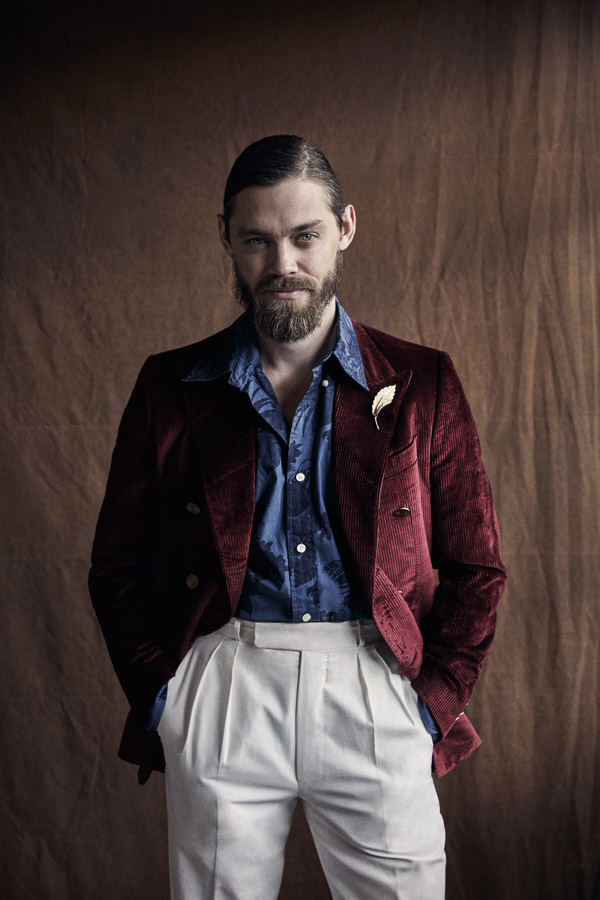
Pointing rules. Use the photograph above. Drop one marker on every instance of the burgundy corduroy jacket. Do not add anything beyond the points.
(172, 541)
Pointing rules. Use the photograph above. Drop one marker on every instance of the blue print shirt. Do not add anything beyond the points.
(295, 573)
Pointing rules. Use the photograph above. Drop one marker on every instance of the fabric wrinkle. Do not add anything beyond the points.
(377, 653)
(374, 740)
(202, 669)
(229, 716)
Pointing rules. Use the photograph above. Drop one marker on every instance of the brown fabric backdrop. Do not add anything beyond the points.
(466, 134)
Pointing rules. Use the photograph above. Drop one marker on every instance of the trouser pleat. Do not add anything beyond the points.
(260, 716)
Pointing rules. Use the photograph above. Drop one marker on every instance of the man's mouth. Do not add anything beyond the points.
(285, 289)
(284, 293)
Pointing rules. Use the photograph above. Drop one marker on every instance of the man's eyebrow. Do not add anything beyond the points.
(261, 232)
(308, 226)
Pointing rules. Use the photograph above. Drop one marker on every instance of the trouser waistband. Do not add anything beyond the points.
(303, 635)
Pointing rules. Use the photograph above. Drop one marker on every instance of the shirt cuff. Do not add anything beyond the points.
(156, 710)
(429, 721)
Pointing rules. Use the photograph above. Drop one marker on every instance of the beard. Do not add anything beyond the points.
(281, 319)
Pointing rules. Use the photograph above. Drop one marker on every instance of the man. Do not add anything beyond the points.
(279, 499)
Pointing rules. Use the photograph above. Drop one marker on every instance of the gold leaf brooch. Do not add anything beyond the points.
(382, 398)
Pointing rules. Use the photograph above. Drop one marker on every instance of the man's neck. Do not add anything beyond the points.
(298, 356)
(288, 366)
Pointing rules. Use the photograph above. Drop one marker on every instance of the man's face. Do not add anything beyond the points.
(286, 246)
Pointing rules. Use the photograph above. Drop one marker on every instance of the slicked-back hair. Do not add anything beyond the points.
(281, 157)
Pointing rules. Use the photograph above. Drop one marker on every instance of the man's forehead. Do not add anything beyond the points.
(298, 200)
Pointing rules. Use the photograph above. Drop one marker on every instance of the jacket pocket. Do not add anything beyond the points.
(402, 459)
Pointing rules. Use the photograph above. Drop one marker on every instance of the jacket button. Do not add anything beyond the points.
(192, 581)
(193, 508)
(401, 512)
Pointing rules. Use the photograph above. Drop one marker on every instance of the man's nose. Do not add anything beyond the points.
(283, 260)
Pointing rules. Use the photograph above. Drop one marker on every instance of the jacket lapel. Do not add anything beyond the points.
(224, 437)
(360, 453)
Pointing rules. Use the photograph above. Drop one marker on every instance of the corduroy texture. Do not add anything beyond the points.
(170, 553)
(466, 134)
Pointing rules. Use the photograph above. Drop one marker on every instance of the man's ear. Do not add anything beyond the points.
(348, 229)
(223, 235)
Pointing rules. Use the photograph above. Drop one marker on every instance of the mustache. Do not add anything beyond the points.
(289, 283)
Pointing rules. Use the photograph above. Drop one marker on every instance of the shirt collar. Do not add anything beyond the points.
(242, 358)
(345, 348)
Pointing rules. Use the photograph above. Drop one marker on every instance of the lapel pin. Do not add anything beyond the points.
(382, 399)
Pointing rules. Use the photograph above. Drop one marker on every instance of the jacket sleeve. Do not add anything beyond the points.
(459, 628)
(120, 576)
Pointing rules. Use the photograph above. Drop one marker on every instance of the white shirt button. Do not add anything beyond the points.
(300, 476)
(301, 548)
(324, 383)
(306, 617)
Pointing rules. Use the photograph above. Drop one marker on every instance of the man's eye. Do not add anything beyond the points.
(307, 237)
(255, 241)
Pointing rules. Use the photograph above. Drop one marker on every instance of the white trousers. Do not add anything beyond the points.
(261, 714)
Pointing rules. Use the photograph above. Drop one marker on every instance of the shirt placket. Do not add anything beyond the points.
(300, 521)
